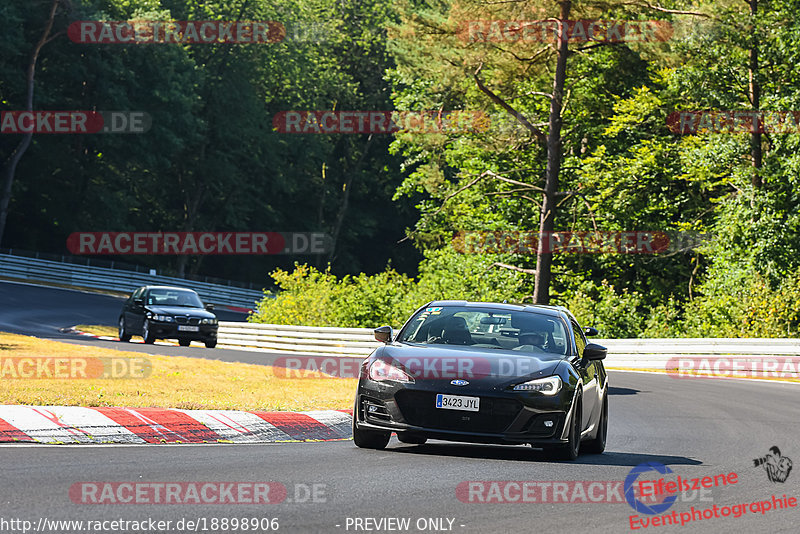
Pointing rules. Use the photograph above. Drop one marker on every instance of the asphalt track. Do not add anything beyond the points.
(696, 427)
(43, 311)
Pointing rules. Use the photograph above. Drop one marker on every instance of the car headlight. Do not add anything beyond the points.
(546, 386)
(380, 370)
(163, 318)
(208, 321)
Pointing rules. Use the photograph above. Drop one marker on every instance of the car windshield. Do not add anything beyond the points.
(483, 328)
(173, 297)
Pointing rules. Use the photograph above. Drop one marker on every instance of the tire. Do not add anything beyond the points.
(369, 439)
(405, 437)
(147, 335)
(184, 342)
(598, 444)
(211, 343)
(571, 450)
(124, 335)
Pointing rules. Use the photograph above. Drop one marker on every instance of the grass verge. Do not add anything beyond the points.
(98, 330)
(175, 382)
(676, 373)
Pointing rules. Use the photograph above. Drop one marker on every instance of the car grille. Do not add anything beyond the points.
(495, 415)
(187, 320)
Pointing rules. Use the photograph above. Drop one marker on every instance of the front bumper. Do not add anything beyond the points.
(170, 331)
(505, 417)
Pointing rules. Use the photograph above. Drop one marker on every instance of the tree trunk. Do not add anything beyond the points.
(348, 185)
(321, 211)
(192, 201)
(755, 100)
(11, 169)
(544, 256)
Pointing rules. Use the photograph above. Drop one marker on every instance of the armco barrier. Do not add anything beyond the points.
(622, 353)
(655, 353)
(298, 340)
(23, 268)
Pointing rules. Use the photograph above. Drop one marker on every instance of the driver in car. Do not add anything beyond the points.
(531, 342)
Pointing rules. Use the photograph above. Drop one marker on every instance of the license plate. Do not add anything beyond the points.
(457, 402)
(184, 328)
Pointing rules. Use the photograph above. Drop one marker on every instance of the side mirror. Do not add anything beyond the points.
(590, 331)
(138, 302)
(210, 307)
(593, 351)
(383, 334)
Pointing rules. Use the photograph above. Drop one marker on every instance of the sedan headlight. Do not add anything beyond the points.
(546, 386)
(208, 321)
(164, 318)
(380, 370)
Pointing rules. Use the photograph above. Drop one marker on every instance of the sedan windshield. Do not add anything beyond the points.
(173, 297)
(525, 331)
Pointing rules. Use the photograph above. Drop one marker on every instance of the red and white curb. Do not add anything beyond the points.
(75, 424)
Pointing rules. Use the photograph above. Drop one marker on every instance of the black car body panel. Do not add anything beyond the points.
(166, 317)
(487, 369)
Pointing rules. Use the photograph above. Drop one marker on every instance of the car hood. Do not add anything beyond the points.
(489, 367)
(181, 310)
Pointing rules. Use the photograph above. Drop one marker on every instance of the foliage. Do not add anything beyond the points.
(318, 298)
(615, 314)
(213, 162)
(753, 309)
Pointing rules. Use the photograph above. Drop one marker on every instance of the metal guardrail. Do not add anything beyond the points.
(23, 268)
(657, 353)
(622, 353)
(298, 340)
(93, 261)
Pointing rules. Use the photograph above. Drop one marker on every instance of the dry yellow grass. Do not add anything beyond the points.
(698, 374)
(175, 382)
(98, 330)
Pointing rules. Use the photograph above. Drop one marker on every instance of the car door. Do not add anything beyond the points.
(126, 309)
(134, 315)
(589, 376)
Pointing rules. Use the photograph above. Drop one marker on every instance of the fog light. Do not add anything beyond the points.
(548, 424)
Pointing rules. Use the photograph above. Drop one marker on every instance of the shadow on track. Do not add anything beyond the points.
(622, 391)
(527, 454)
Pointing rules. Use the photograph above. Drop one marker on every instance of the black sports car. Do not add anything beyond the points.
(162, 312)
(485, 373)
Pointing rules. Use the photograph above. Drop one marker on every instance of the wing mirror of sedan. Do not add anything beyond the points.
(593, 351)
(138, 302)
(590, 331)
(383, 334)
(210, 307)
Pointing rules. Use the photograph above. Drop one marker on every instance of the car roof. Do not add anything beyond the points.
(542, 309)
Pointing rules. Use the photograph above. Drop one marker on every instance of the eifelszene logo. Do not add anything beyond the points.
(630, 489)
